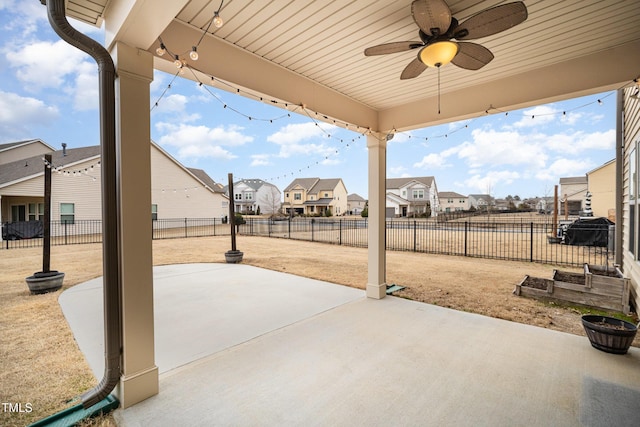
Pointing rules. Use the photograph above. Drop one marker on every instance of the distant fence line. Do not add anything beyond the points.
(512, 241)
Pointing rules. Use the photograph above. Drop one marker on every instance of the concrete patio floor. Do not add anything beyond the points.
(240, 345)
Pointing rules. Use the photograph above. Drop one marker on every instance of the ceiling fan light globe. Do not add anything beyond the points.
(438, 54)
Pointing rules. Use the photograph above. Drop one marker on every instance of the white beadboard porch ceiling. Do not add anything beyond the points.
(564, 49)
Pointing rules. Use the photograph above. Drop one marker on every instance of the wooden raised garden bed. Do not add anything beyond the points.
(598, 287)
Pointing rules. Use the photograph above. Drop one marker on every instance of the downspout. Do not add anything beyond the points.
(110, 201)
(619, 177)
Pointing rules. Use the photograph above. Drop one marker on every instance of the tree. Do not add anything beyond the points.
(365, 211)
(271, 200)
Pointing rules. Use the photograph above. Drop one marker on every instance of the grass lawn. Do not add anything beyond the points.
(40, 363)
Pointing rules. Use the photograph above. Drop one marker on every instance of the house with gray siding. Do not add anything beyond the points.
(253, 195)
(412, 196)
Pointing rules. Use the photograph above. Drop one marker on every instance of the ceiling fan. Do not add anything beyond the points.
(437, 29)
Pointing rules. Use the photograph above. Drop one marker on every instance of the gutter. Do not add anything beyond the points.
(110, 199)
(619, 178)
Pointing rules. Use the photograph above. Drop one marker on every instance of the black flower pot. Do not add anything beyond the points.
(233, 257)
(609, 334)
(43, 282)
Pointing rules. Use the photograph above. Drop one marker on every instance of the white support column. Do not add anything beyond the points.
(134, 68)
(376, 281)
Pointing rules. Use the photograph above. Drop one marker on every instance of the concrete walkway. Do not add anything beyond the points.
(239, 345)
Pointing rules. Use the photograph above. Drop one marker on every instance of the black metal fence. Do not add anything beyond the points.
(14, 235)
(513, 241)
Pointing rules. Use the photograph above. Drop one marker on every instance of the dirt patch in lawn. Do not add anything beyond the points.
(40, 362)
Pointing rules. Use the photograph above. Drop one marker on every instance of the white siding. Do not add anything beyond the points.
(83, 190)
(179, 194)
(31, 187)
(34, 148)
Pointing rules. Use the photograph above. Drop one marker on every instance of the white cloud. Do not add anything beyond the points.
(45, 64)
(202, 141)
(295, 133)
(260, 160)
(19, 114)
(565, 167)
(491, 181)
(537, 116)
(578, 142)
(174, 108)
(292, 140)
(25, 16)
(399, 171)
(496, 148)
(432, 161)
(86, 90)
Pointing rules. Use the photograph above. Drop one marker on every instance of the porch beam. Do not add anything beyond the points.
(138, 23)
(258, 76)
(586, 75)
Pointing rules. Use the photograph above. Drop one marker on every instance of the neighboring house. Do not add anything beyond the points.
(572, 193)
(602, 186)
(453, 202)
(480, 202)
(630, 214)
(21, 150)
(543, 204)
(314, 196)
(501, 205)
(251, 194)
(176, 192)
(355, 204)
(411, 196)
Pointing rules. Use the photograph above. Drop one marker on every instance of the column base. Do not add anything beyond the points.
(376, 291)
(136, 388)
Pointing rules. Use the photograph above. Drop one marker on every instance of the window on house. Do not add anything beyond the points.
(326, 194)
(154, 212)
(18, 213)
(67, 213)
(404, 193)
(36, 211)
(237, 196)
(297, 196)
(248, 196)
(418, 194)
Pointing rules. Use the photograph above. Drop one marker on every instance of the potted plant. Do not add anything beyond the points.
(608, 333)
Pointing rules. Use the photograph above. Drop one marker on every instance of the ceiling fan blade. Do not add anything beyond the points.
(491, 21)
(414, 69)
(432, 16)
(472, 56)
(383, 49)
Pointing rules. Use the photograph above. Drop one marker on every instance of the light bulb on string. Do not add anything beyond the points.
(161, 50)
(194, 53)
(217, 20)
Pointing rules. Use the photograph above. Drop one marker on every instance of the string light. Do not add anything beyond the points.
(217, 21)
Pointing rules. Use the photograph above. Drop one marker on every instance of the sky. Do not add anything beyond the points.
(49, 90)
